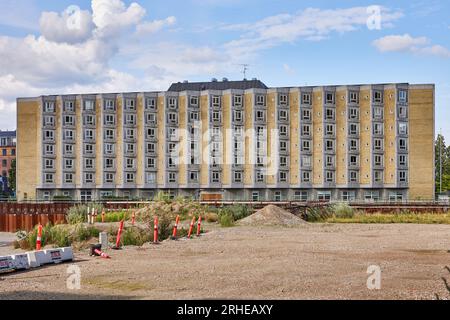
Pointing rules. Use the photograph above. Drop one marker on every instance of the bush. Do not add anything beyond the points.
(78, 214)
(317, 214)
(343, 210)
(226, 220)
(134, 236)
(211, 217)
(115, 216)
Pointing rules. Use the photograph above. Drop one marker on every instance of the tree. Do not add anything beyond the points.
(12, 176)
(442, 156)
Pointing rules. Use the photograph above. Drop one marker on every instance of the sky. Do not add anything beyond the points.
(95, 46)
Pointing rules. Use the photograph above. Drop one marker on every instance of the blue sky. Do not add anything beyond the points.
(121, 45)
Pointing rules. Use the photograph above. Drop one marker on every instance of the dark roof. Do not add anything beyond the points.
(7, 133)
(217, 85)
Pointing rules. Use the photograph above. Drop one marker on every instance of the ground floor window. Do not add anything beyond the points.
(86, 196)
(372, 195)
(277, 196)
(255, 196)
(395, 196)
(46, 195)
(301, 196)
(324, 195)
(348, 195)
(106, 194)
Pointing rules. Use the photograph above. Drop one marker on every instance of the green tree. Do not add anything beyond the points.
(12, 176)
(442, 156)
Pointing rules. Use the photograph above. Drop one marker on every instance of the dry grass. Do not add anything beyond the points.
(427, 218)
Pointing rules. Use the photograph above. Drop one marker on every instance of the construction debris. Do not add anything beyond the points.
(271, 216)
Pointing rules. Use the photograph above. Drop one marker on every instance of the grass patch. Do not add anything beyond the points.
(392, 218)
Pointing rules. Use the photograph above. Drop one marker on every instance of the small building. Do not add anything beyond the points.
(7, 155)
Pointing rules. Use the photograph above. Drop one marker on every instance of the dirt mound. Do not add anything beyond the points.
(271, 216)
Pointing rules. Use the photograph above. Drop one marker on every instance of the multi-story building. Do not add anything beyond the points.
(231, 140)
(7, 156)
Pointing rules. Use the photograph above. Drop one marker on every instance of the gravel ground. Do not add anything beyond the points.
(311, 261)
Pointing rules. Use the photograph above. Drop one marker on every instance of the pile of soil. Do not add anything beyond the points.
(271, 216)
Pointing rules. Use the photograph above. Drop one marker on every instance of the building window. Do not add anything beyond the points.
(68, 149)
(88, 149)
(306, 115)
(86, 196)
(324, 195)
(402, 112)
(354, 160)
(237, 99)
(172, 103)
(109, 148)
(68, 135)
(151, 118)
(329, 114)
(353, 176)
(109, 134)
(259, 176)
(353, 129)
(216, 101)
(378, 96)
(49, 135)
(403, 176)
(130, 177)
(378, 160)
(329, 97)
(49, 107)
(150, 148)
(283, 176)
(372, 195)
(172, 177)
(130, 104)
(255, 195)
(49, 178)
(68, 164)
(348, 196)
(129, 148)
(151, 133)
(172, 118)
(378, 144)
(402, 160)
(283, 98)
(378, 128)
(237, 177)
(109, 105)
(402, 144)
(329, 145)
(403, 96)
(150, 103)
(193, 116)
(150, 177)
(306, 145)
(329, 176)
(130, 163)
(353, 97)
(306, 98)
(301, 196)
(306, 161)
(260, 100)
(378, 113)
(109, 177)
(353, 113)
(353, 145)
(402, 128)
(130, 134)
(4, 152)
(193, 176)
(88, 134)
(109, 163)
(215, 177)
(283, 146)
(110, 120)
(283, 115)
(89, 105)
(283, 161)
(260, 115)
(306, 176)
(69, 106)
(306, 130)
(68, 178)
(130, 119)
(88, 177)
(329, 130)
(216, 116)
(277, 196)
(88, 120)
(378, 176)
(5, 163)
(49, 121)
(193, 100)
(13, 152)
(237, 116)
(283, 130)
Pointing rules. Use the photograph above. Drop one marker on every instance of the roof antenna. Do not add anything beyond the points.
(244, 69)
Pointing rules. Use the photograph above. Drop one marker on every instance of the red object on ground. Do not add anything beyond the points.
(103, 215)
(155, 230)
(175, 227)
(133, 217)
(101, 254)
(119, 233)
(39, 238)
(199, 225)
(191, 227)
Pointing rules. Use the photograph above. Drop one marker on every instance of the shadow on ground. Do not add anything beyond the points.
(29, 295)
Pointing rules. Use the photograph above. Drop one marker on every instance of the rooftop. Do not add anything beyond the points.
(217, 85)
(7, 133)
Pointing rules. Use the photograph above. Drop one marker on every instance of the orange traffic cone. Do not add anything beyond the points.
(155, 230)
(175, 228)
(103, 215)
(133, 218)
(191, 227)
(39, 238)
(199, 225)
(101, 254)
(119, 234)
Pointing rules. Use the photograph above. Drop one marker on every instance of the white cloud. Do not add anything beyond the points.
(310, 24)
(288, 69)
(154, 26)
(407, 43)
(66, 27)
(112, 16)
